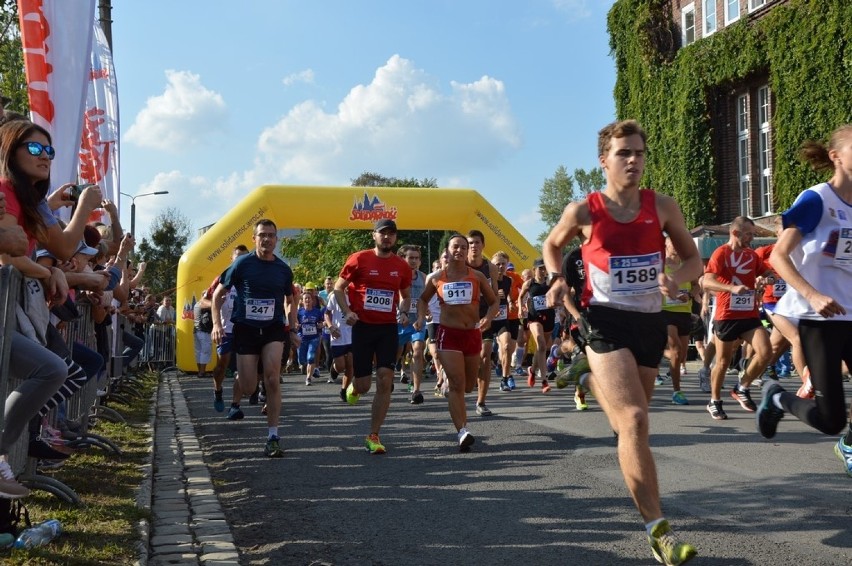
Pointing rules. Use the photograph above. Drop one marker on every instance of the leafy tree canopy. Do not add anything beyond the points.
(170, 233)
(559, 190)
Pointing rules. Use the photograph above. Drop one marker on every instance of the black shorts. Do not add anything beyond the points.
(698, 331)
(730, 330)
(250, 340)
(370, 341)
(505, 325)
(680, 320)
(432, 330)
(644, 334)
(339, 351)
(488, 335)
(547, 319)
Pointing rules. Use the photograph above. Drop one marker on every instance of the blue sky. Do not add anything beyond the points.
(218, 97)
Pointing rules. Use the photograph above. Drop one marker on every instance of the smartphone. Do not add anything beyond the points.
(77, 190)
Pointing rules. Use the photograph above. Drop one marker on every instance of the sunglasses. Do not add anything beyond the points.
(36, 149)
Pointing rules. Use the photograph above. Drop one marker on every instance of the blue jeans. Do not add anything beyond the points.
(132, 346)
(36, 373)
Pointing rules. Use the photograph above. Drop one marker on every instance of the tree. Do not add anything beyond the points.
(170, 234)
(321, 253)
(13, 82)
(558, 191)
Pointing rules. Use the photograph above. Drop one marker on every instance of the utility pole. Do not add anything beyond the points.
(105, 19)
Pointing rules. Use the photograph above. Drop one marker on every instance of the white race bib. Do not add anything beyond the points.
(779, 288)
(634, 275)
(503, 313)
(742, 302)
(458, 293)
(540, 302)
(380, 300)
(843, 254)
(260, 309)
(309, 329)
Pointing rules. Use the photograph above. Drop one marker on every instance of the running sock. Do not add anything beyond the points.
(650, 526)
(273, 431)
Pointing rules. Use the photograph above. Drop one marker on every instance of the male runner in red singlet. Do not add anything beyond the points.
(624, 329)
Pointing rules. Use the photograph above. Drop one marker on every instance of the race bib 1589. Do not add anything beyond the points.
(634, 275)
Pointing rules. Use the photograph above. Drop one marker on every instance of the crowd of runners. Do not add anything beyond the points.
(597, 317)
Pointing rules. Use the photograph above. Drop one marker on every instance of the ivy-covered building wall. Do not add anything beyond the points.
(685, 97)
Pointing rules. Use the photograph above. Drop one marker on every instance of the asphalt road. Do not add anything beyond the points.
(541, 485)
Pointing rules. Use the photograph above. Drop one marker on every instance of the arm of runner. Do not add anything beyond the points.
(423, 303)
(493, 303)
(570, 225)
(218, 332)
(675, 226)
(292, 319)
(340, 286)
(404, 305)
(522, 297)
(711, 283)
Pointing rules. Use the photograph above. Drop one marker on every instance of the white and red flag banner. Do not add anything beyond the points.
(57, 40)
(99, 149)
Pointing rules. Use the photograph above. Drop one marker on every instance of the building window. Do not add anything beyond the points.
(687, 24)
(764, 150)
(709, 17)
(742, 155)
(755, 4)
(732, 11)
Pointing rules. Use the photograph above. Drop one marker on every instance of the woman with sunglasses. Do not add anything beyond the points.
(25, 158)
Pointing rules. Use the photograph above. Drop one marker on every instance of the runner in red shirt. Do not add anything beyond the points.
(378, 283)
(734, 273)
(785, 331)
(624, 329)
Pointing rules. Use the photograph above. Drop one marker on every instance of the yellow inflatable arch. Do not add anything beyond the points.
(335, 207)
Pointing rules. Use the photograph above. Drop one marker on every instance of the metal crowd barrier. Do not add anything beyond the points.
(159, 349)
(18, 458)
(10, 288)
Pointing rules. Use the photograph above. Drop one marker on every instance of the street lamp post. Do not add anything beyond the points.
(133, 207)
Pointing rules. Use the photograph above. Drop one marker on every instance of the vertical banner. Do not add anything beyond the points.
(99, 149)
(57, 40)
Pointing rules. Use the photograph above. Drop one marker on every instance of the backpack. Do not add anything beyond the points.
(204, 323)
(14, 517)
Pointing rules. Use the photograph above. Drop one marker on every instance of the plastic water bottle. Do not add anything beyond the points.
(39, 535)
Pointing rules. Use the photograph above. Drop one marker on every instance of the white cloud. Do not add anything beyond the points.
(528, 217)
(400, 124)
(574, 9)
(306, 76)
(183, 116)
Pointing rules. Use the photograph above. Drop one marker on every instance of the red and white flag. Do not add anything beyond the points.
(57, 40)
(99, 155)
